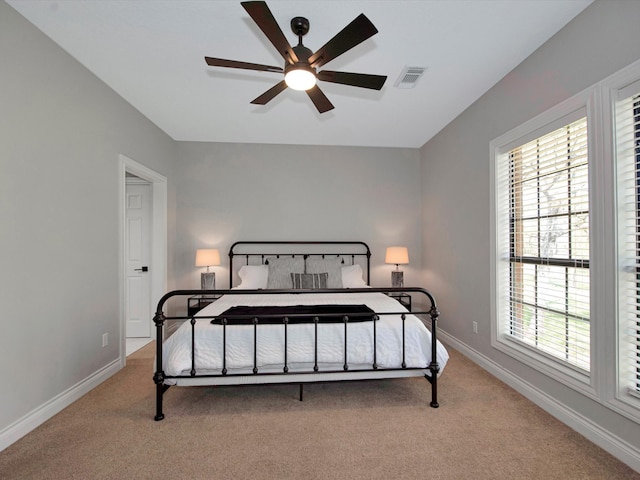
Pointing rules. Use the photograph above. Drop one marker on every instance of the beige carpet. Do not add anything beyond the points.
(356, 430)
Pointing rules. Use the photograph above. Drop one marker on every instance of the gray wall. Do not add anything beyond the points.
(456, 195)
(61, 130)
(229, 192)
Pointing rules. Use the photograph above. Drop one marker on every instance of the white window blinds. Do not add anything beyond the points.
(549, 283)
(627, 130)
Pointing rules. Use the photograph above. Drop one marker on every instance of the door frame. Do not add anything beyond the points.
(158, 259)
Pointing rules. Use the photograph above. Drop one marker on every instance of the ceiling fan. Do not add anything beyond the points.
(300, 63)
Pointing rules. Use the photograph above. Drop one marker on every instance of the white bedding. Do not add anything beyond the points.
(300, 355)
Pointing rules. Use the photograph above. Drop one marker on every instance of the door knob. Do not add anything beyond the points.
(143, 269)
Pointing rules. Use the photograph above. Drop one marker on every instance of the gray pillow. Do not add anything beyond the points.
(310, 281)
(280, 270)
(332, 266)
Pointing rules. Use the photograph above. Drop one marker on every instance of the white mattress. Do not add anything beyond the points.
(300, 340)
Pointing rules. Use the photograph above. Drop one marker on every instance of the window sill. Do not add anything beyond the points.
(571, 376)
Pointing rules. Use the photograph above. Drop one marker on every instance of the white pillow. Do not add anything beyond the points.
(253, 277)
(352, 277)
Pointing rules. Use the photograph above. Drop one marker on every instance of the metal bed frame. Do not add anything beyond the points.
(300, 377)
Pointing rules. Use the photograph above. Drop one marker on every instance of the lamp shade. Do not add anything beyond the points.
(207, 257)
(397, 255)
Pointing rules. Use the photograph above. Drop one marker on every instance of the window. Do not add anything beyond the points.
(542, 196)
(549, 245)
(627, 132)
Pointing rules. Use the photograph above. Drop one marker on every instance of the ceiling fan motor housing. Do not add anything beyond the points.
(303, 54)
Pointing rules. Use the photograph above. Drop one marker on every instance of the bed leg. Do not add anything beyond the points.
(434, 395)
(301, 392)
(434, 367)
(160, 389)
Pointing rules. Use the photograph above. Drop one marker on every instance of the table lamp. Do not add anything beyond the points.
(207, 257)
(397, 256)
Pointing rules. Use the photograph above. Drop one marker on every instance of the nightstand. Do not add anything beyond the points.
(198, 302)
(403, 298)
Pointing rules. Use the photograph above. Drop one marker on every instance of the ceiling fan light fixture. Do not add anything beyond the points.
(300, 78)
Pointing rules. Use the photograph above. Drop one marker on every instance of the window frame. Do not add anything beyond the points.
(605, 382)
(616, 394)
(579, 106)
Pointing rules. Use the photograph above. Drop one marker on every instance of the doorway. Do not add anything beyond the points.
(142, 328)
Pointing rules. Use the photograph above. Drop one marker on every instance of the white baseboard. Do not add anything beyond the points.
(609, 442)
(44, 412)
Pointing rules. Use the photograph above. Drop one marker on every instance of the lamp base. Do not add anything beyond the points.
(208, 281)
(397, 280)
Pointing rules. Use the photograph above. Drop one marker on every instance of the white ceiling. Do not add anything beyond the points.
(152, 53)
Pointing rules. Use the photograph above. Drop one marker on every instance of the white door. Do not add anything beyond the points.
(137, 254)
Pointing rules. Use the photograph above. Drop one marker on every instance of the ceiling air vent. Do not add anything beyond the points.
(409, 77)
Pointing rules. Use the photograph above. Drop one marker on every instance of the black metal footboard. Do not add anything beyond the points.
(287, 375)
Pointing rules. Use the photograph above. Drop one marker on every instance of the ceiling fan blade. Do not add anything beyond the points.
(319, 99)
(350, 36)
(221, 62)
(364, 80)
(263, 17)
(270, 94)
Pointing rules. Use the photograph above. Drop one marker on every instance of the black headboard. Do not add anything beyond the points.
(255, 253)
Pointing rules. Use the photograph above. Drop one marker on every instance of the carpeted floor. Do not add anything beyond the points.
(355, 430)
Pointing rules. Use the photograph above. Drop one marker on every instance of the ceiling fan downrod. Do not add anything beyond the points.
(300, 26)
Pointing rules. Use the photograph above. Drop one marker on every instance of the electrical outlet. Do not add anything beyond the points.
(105, 339)
(475, 327)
